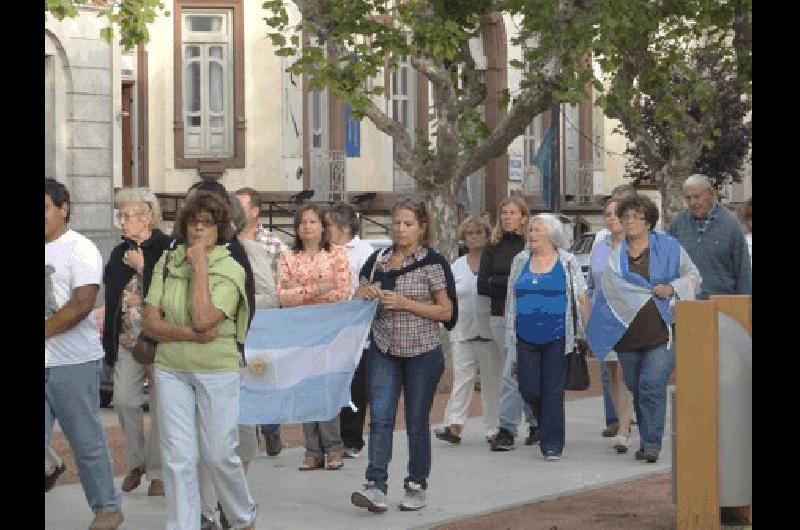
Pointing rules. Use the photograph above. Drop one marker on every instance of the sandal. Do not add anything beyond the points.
(310, 463)
(447, 435)
(334, 462)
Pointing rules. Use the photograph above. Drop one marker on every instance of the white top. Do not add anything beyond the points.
(263, 265)
(358, 252)
(473, 309)
(749, 238)
(71, 261)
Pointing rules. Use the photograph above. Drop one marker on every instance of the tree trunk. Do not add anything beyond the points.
(443, 218)
(671, 177)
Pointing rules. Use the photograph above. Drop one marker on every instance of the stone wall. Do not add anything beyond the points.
(81, 123)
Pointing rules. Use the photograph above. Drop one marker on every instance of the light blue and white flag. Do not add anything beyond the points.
(301, 360)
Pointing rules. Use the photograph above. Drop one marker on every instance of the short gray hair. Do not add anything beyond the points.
(698, 179)
(554, 228)
(141, 196)
(238, 218)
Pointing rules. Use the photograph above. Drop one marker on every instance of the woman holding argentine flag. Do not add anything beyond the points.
(633, 313)
(315, 272)
(417, 291)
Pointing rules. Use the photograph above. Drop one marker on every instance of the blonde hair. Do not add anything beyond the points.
(519, 202)
(141, 196)
(475, 222)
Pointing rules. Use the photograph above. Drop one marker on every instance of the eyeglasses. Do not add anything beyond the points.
(204, 223)
(632, 216)
(128, 217)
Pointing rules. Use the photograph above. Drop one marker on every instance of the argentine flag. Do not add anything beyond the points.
(301, 360)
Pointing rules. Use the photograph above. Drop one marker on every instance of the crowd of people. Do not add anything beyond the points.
(515, 304)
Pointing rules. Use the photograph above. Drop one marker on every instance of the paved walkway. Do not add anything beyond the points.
(466, 480)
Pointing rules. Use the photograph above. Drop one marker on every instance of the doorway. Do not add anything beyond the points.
(127, 135)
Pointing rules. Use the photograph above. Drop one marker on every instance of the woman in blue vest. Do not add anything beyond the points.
(633, 314)
(544, 283)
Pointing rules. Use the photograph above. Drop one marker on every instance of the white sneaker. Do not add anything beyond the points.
(621, 443)
(351, 452)
(370, 497)
(415, 498)
(551, 456)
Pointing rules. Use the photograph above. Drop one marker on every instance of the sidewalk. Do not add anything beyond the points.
(466, 481)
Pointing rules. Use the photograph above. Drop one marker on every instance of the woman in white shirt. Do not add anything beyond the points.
(471, 339)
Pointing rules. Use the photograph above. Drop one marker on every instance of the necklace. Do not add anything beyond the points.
(637, 259)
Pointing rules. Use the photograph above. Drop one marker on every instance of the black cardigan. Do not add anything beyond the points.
(388, 279)
(117, 275)
(494, 269)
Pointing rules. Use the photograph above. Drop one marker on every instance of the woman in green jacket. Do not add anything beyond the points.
(197, 311)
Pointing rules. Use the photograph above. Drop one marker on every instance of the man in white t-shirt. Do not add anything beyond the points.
(73, 354)
(343, 225)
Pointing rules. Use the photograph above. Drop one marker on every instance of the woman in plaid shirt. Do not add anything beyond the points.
(416, 291)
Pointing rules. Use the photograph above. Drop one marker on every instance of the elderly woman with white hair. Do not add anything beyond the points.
(126, 279)
(544, 283)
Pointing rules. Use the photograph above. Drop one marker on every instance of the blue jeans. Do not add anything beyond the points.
(272, 428)
(611, 414)
(418, 377)
(72, 396)
(646, 374)
(511, 403)
(542, 378)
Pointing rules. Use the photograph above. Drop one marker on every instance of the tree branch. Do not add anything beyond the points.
(403, 146)
(533, 100)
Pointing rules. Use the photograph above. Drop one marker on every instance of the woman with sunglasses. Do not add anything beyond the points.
(633, 313)
(126, 279)
(416, 290)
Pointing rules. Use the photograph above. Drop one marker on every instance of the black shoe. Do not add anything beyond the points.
(447, 435)
(207, 524)
(274, 444)
(611, 430)
(223, 521)
(503, 441)
(50, 480)
(651, 457)
(533, 436)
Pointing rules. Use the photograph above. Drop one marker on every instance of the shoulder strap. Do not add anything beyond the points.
(573, 300)
(375, 263)
(164, 276)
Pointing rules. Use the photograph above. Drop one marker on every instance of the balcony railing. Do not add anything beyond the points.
(328, 174)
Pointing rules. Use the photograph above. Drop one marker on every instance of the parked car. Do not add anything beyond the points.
(582, 249)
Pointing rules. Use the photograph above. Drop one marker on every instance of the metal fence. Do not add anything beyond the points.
(328, 174)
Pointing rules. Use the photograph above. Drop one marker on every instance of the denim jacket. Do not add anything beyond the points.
(578, 286)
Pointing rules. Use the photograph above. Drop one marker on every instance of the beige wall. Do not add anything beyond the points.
(262, 76)
(264, 98)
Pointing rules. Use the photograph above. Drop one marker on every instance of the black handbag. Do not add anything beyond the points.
(144, 351)
(578, 370)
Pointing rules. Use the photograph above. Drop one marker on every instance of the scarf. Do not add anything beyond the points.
(388, 279)
(624, 293)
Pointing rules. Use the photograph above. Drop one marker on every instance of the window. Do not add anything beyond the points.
(532, 177)
(403, 90)
(209, 110)
(207, 84)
